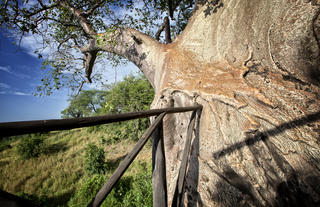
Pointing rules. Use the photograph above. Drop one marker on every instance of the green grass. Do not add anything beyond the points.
(58, 173)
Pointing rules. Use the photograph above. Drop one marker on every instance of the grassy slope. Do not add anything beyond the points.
(60, 172)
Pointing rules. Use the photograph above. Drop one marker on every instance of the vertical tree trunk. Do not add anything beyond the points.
(254, 66)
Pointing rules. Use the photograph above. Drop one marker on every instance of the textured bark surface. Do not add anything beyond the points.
(254, 66)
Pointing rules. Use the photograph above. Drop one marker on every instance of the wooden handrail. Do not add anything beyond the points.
(159, 175)
(107, 187)
(27, 127)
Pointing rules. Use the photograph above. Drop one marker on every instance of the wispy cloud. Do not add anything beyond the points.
(4, 86)
(8, 90)
(5, 69)
(21, 93)
(10, 71)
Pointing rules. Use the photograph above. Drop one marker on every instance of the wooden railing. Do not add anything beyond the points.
(158, 155)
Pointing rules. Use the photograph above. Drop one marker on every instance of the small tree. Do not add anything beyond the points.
(94, 160)
(88, 102)
(31, 146)
(134, 93)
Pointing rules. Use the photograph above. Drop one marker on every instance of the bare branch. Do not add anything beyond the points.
(158, 33)
(167, 30)
(170, 8)
(165, 26)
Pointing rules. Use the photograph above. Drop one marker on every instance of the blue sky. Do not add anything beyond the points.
(20, 74)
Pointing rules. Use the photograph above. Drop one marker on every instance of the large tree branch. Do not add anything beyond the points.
(128, 43)
(167, 30)
(88, 29)
(166, 27)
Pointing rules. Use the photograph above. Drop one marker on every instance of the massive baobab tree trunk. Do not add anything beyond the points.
(254, 66)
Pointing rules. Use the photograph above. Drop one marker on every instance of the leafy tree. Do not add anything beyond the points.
(131, 94)
(88, 102)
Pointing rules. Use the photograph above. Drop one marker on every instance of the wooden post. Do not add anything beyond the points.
(177, 198)
(159, 181)
(107, 187)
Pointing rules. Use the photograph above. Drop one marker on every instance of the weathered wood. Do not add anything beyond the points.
(159, 181)
(183, 166)
(27, 127)
(106, 189)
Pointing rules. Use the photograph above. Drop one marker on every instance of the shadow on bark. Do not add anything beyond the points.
(292, 192)
(296, 188)
(262, 136)
(193, 196)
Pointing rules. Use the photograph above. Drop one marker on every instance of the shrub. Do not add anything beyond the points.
(94, 160)
(31, 146)
(135, 191)
(87, 191)
(37, 200)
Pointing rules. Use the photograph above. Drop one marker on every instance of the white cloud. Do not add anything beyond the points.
(21, 93)
(7, 89)
(5, 69)
(8, 70)
(4, 86)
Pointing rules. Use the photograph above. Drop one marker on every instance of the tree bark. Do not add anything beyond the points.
(254, 66)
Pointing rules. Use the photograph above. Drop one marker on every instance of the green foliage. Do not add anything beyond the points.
(60, 31)
(31, 146)
(4, 145)
(94, 160)
(87, 191)
(129, 191)
(131, 94)
(88, 102)
(37, 200)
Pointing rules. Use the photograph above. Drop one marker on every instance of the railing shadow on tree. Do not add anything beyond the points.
(261, 136)
(289, 192)
(158, 156)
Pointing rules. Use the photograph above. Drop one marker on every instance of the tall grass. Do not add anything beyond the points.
(56, 175)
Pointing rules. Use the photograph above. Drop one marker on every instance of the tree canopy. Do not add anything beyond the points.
(78, 32)
(134, 93)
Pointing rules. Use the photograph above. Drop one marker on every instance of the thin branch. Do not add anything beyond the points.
(158, 33)
(44, 7)
(80, 88)
(92, 9)
(63, 23)
(86, 26)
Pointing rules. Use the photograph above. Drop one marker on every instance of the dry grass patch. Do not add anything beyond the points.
(58, 173)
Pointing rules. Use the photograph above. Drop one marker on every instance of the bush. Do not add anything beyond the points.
(37, 200)
(87, 191)
(31, 146)
(130, 191)
(94, 160)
